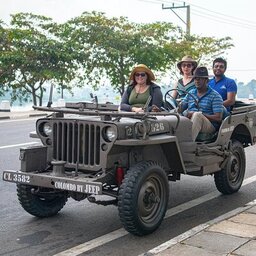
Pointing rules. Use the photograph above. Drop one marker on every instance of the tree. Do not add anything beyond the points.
(252, 87)
(33, 56)
(115, 45)
(90, 48)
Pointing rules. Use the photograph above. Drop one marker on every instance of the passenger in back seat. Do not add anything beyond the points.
(225, 86)
(204, 105)
(187, 67)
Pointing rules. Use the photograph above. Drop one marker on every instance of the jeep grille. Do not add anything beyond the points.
(77, 143)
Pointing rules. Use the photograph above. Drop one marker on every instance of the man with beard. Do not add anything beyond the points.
(225, 86)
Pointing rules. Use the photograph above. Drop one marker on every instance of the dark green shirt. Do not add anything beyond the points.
(138, 99)
(154, 92)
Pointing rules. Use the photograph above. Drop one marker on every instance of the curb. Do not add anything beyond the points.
(17, 115)
(4, 117)
(178, 239)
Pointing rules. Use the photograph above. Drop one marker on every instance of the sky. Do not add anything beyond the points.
(218, 18)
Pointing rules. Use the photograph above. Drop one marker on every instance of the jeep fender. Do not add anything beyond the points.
(169, 147)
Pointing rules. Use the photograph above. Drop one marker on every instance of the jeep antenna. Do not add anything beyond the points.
(95, 100)
(49, 104)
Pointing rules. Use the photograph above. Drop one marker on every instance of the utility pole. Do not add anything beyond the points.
(187, 23)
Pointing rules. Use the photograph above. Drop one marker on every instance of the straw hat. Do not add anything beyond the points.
(142, 68)
(187, 59)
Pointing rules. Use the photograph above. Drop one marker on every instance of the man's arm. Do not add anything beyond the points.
(183, 105)
(231, 98)
(216, 117)
(217, 109)
(231, 93)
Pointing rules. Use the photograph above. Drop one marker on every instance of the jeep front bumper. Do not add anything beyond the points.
(74, 184)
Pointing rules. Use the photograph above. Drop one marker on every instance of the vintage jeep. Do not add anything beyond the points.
(90, 150)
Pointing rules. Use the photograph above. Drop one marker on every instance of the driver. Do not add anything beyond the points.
(204, 105)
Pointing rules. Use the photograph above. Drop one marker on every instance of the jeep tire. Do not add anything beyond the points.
(143, 198)
(40, 204)
(230, 178)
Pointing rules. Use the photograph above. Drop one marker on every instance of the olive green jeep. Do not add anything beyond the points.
(93, 151)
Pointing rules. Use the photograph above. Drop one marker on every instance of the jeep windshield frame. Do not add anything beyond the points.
(106, 113)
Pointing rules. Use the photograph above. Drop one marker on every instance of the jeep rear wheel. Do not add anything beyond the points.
(230, 179)
(143, 198)
(41, 203)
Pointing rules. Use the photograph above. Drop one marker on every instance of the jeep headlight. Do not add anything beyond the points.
(47, 129)
(109, 133)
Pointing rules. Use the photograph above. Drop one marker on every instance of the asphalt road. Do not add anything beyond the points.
(88, 229)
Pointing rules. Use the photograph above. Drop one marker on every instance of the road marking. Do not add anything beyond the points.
(18, 145)
(81, 248)
(99, 241)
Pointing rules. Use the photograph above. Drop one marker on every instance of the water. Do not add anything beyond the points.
(105, 94)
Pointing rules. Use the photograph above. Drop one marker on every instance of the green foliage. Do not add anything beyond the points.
(115, 45)
(91, 48)
(32, 55)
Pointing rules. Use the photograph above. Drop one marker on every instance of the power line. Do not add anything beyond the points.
(218, 13)
(222, 20)
(225, 15)
(217, 17)
(213, 15)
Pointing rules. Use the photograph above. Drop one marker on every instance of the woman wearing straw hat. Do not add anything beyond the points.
(187, 67)
(142, 90)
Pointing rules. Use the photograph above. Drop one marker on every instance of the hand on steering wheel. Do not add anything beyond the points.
(174, 103)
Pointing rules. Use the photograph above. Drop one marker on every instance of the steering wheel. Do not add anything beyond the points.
(173, 104)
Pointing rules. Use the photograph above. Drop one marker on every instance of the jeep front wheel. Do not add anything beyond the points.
(143, 198)
(40, 202)
(230, 178)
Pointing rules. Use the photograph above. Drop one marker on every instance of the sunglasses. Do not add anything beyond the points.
(200, 78)
(140, 74)
(189, 65)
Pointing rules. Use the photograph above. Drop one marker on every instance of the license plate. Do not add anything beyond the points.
(16, 177)
(62, 183)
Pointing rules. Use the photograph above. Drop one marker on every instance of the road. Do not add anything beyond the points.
(88, 229)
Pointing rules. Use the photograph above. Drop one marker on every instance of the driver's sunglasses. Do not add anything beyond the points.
(200, 78)
(140, 74)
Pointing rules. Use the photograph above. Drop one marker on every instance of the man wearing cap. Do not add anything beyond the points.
(204, 105)
(142, 91)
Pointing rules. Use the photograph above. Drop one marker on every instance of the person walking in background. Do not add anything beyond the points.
(225, 86)
(204, 105)
(187, 67)
(142, 90)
